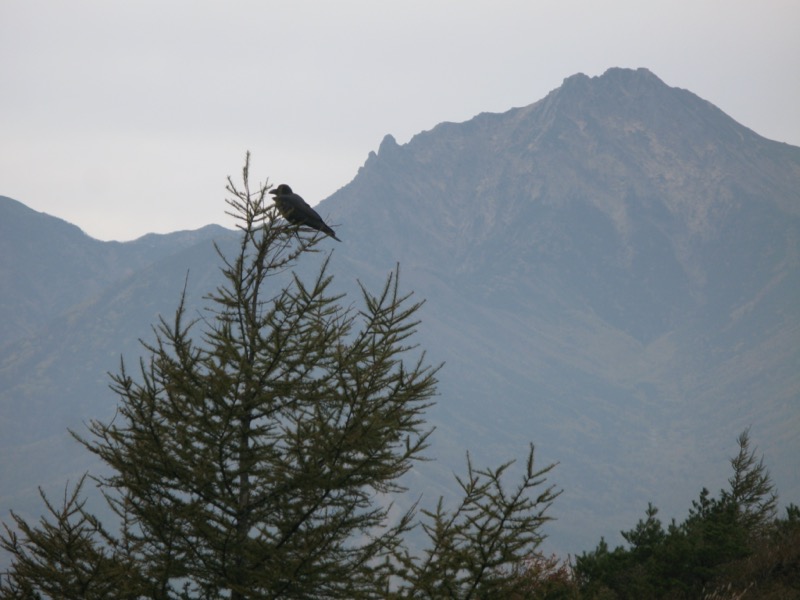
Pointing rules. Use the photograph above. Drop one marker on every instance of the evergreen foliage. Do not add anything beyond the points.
(256, 452)
(68, 555)
(708, 553)
(473, 546)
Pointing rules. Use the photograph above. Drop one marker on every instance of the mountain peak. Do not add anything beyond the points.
(624, 74)
(623, 154)
(388, 143)
(613, 78)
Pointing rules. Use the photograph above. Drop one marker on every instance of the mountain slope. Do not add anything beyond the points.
(611, 273)
(49, 265)
(58, 379)
(615, 176)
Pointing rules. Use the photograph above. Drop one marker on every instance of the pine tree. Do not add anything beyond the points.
(704, 553)
(257, 449)
(68, 555)
(254, 462)
(751, 492)
(483, 548)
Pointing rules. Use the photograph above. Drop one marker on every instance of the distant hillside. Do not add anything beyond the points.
(73, 306)
(49, 265)
(612, 272)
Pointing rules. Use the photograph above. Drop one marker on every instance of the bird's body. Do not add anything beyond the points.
(295, 210)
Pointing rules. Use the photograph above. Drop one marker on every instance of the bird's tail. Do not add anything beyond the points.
(331, 233)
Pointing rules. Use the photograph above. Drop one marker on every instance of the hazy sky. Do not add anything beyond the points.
(125, 117)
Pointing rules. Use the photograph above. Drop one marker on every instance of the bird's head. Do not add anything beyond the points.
(281, 190)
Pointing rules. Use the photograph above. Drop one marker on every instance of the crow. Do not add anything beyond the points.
(295, 210)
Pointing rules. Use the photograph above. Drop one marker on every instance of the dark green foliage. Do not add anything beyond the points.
(68, 555)
(696, 557)
(476, 548)
(771, 570)
(751, 492)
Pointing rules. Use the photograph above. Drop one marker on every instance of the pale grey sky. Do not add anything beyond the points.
(126, 117)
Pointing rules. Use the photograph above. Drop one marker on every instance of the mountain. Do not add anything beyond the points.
(610, 272)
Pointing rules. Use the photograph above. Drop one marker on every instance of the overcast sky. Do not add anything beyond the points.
(125, 117)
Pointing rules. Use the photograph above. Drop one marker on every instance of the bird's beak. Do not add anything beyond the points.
(273, 191)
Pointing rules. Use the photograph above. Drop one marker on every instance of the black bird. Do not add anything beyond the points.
(295, 210)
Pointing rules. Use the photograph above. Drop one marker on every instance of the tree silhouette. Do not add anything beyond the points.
(256, 451)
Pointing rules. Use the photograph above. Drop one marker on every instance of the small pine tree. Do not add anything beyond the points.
(68, 555)
(694, 557)
(751, 492)
(482, 548)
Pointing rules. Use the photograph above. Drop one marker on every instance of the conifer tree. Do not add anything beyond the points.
(703, 553)
(252, 458)
(486, 546)
(257, 449)
(255, 460)
(752, 492)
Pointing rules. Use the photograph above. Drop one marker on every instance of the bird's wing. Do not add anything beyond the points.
(303, 208)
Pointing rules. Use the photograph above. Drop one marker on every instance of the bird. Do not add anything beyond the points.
(297, 211)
